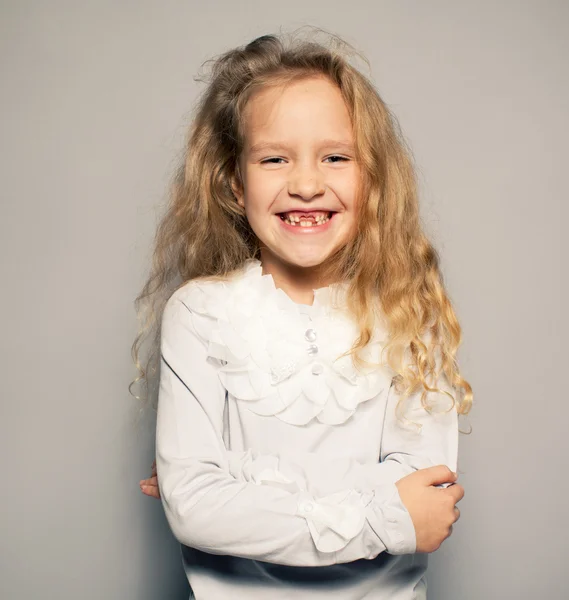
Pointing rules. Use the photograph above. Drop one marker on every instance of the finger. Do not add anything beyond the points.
(150, 490)
(437, 474)
(456, 491)
(456, 514)
(152, 482)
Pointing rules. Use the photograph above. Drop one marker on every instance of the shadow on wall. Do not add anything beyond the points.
(162, 568)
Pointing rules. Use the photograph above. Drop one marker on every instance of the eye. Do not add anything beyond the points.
(271, 160)
(341, 158)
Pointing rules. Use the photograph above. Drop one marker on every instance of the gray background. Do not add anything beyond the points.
(95, 100)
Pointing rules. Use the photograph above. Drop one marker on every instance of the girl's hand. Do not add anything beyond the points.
(432, 509)
(150, 486)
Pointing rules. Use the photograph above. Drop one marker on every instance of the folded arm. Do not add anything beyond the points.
(403, 451)
(210, 508)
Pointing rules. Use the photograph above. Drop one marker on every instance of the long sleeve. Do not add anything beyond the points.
(403, 450)
(209, 509)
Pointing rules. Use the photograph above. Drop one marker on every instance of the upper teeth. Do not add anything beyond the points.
(305, 221)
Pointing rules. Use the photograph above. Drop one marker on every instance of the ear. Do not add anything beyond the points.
(237, 189)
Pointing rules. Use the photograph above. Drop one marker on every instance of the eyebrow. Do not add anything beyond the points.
(262, 146)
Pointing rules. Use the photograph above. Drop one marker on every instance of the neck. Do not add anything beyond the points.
(298, 283)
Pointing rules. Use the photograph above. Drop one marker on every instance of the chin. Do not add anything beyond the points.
(307, 262)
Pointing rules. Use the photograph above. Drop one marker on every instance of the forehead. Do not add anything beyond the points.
(303, 110)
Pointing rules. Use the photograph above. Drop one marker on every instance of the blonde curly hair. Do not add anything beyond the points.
(389, 265)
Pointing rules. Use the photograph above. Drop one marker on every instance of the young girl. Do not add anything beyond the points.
(292, 459)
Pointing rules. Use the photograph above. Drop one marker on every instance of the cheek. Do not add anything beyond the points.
(257, 208)
(348, 197)
(260, 195)
(346, 187)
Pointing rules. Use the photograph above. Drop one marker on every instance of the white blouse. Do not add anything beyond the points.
(276, 462)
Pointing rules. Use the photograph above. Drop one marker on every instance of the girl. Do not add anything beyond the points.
(292, 459)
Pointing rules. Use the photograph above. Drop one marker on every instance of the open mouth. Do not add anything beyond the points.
(306, 219)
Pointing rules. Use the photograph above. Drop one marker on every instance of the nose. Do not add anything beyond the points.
(306, 182)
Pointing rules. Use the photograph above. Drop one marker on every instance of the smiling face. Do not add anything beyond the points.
(299, 173)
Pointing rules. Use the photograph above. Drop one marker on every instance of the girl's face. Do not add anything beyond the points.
(299, 172)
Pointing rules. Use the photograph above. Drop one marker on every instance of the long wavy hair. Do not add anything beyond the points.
(389, 264)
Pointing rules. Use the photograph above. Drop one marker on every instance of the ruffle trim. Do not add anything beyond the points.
(257, 335)
(333, 520)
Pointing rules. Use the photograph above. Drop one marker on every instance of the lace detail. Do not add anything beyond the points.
(281, 372)
(275, 360)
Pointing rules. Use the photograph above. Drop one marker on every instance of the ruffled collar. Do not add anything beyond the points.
(280, 358)
(333, 295)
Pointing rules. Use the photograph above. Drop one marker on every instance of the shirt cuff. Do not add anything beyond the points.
(333, 520)
(391, 521)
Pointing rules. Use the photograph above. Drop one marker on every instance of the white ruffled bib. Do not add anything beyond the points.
(278, 357)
